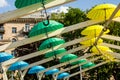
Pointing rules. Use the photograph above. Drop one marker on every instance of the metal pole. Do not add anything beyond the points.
(80, 73)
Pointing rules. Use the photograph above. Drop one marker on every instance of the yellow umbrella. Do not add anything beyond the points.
(102, 12)
(103, 49)
(93, 31)
(90, 42)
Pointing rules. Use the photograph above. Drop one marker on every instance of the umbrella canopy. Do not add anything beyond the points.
(102, 12)
(93, 31)
(51, 72)
(55, 52)
(36, 69)
(63, 75)
(5, 56)
(40, 28)
(101, 48)
(68, 57)
(79, 62)
(24, 3)
(18, 65)
(51, 42)
(87, 65)
(91, 42)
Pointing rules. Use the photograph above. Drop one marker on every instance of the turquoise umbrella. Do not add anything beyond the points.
(55, 52)
(24, 3)
(50, 43)
(51, 72)
(79, 62)
(18, 65)
(63, 75)
(5, 56)
(87, 65)
(36, 69)
(68, 57)
(40, 28)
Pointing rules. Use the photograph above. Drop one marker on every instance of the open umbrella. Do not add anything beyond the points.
(18, 65)
(93, 31)
(87, 65)
(63, 75)
(5, 56)
(36, 69)
(102, 12)
(50, 43)
(79, 62)
(24, 3)
(91, 42)
(55, 52)
(68, 57)
(40, 28)
(51, 72)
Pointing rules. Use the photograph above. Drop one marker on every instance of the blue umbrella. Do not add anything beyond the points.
(18, 65)
(63, 75)
(36, 69)
(51, 72)
(5, 56)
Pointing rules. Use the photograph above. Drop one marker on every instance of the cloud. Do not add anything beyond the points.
(3, 3)
(60, 9)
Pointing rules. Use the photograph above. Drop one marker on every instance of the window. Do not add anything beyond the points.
(1, 36)
(14, 40)
(14, 30)
(27, 27)
(1, 28)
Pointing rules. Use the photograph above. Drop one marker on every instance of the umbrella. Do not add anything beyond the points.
(87, 65)
(5, 56)
(79, 62)
(36, 69)
(102, 12)
(63, 75)
(40, 28)
(68, 57)
(51, 72)
(50, 43)
(93, 31)
(55, 52)
(91, 42)
(18, 65)
(24, 3)
(101, 48)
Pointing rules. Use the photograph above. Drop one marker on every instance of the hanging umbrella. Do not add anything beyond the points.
(87, 65)
(101, 48)
(102, 12)
(55, 52)
(51, 72)
(18, 65)
(68, 57)
(5, 56)
(91, 42)
(63, 75)
(51, 42)
(40, 28)
(93, 31)
(79, 62)
(24, 3)
(36, 69)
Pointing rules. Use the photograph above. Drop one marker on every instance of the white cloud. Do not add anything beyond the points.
(60, 9)
(3, 3)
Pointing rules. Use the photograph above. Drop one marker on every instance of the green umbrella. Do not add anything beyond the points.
(55, 52)
(79, 62)
(24, 3)
(68, 57)
(87, 65)
(50, 43)
(40, 28)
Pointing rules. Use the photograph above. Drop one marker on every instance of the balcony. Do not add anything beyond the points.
(25, 31)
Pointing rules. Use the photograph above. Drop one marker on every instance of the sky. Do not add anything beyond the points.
(8, 5)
